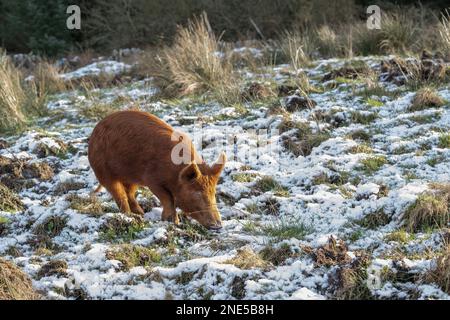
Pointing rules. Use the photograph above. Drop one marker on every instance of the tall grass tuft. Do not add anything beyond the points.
(193, 64)
(444, 31)
(399, 33)
(12, 96)
(16, 98)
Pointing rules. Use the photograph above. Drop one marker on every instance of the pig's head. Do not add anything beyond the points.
(196, 194)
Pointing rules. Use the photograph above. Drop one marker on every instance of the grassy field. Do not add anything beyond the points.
(347, 198)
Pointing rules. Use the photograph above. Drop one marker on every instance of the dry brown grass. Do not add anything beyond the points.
(47, 79)
(430, 210)
(12, 96)
(246, 258)
(18, 100)
(14, 284)
(426, 97)
(440, 273)
(444, 31)
(193, 64)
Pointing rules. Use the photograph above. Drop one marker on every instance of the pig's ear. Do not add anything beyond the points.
(218, 166)
(190, 173)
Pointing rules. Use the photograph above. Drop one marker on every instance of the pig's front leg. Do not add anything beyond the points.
(165, 197)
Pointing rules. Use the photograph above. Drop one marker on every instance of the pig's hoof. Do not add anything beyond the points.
(173, 219)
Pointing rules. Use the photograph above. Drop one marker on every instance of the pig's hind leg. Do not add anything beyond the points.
(118, 192)
(131, 195)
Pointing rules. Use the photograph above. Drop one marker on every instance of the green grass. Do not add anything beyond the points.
(374, 220)
(133, 255)
(444, 140)
(373, 164)
(363, 118)
(267, 183)
(116, 229)
(374, 103)
(286, 230)
(400, 236)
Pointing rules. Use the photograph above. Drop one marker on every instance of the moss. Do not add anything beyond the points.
(133, 255)
(3, 225)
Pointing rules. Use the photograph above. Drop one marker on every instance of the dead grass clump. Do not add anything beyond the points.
(54, 267)
(38, 170)
(91, 205)
(246, 258)
(51, 227)
(257, 91)
(352, 70)
(351, 280)
(133, 255)
(277, 256)
(374, 220)
(426, 97)
(66, 186)
(440, 272)
(14, 283)
(430, 210)
(334, 252)
(9, 201)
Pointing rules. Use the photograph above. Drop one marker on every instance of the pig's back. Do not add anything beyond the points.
(130, 146)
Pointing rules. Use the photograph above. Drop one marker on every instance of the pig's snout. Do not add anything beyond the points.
(215, 227)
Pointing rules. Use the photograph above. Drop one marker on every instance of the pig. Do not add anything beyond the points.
(130, 149)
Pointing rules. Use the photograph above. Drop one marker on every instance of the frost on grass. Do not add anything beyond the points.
(354, 184)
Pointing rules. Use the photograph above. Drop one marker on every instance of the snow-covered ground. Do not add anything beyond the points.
(195, 264)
